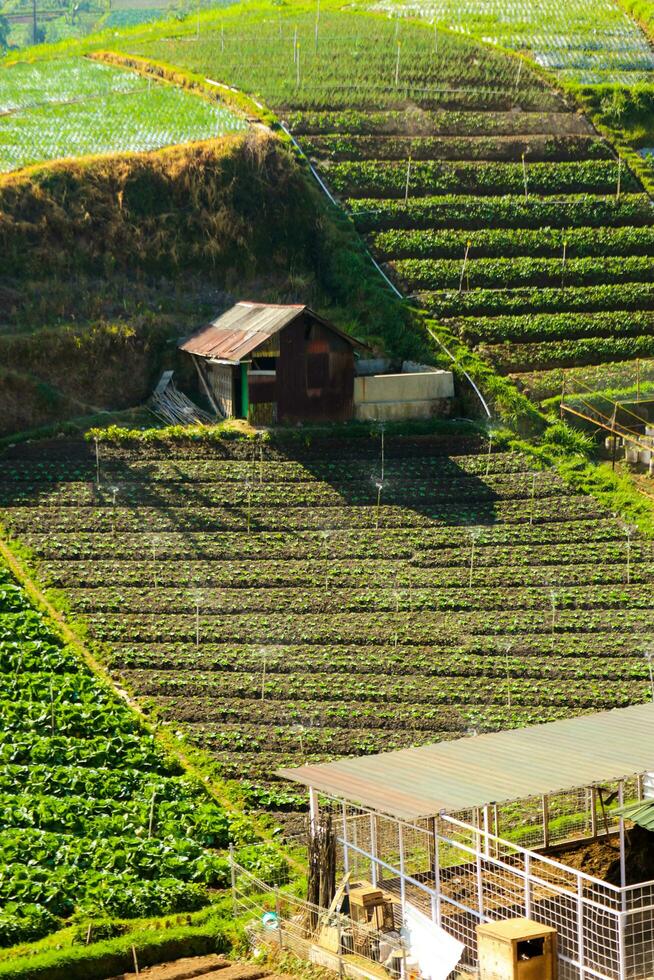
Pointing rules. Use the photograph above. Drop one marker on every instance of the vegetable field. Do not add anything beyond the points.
(95, 819)
(75, 107)
(261, 601)
(489, 199)
(590, 44)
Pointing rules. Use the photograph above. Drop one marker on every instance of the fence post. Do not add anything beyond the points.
(400, 835)
(622, 952)
(278, 913)
(373, 850)
(437, 878)
(546, 821)
(232, 868)
(580, 928)
(339, 940)
(527, 885)
(346, 855)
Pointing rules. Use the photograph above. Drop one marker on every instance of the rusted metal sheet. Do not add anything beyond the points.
(494, 768)
(315, 373)
(239, 331)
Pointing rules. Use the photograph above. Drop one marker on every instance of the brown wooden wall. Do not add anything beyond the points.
(315, 374)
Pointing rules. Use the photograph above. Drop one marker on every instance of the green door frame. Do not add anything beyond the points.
(245, 400)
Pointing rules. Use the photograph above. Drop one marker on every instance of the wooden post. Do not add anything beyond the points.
(314, 810)
(205, 387)
(278, 913)
(232, 868)
(136, 962)
(245, 395)
(486, 829)
(546, 820)
(593, 812)
(346, 856)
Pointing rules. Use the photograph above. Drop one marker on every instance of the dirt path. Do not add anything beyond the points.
(213, 967)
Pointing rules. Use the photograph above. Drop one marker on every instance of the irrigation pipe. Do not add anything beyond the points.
(376, 264)
(381, 271)
(339, 206)
(453, 358)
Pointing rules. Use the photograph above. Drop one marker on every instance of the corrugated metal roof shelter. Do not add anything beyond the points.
(270, 363)
(239, 331)
(499, 767)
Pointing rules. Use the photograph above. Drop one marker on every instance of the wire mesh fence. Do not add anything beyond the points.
(462, 870)
(279, 919)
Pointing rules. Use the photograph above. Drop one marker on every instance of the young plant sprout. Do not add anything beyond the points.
(533, 495)
(507, 651)
(264, 651)
(553, 598)
(474, 533)
(629, 529)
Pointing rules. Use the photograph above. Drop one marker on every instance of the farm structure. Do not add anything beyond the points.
(269, 363)
(433, 827)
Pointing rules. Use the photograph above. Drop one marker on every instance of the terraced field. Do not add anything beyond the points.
(590, 44)
(96, 819)
(74, 107)
(487, 196)
(265, 605)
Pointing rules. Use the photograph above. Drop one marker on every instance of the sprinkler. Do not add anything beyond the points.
(380, 487)
(649, 654)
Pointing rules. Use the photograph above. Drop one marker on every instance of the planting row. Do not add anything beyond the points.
(110, 520)
(535, 148)
(564, 565)
(507, 273)
(579, 242)
(413, 122)
(461, 211)
(426, 541)
(388, 179)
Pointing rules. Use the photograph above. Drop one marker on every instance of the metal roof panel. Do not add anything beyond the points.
(245, 327)
(492, 768)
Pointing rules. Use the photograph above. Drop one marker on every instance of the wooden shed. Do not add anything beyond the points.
(269, 363)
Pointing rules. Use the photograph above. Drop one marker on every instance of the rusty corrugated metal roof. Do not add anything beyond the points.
(245, 327)
(493, 768)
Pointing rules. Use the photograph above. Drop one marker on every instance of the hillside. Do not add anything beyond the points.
(257, 599)
(491, 200)
(155, 244)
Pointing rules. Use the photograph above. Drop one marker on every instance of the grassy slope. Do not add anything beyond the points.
(154, 244)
